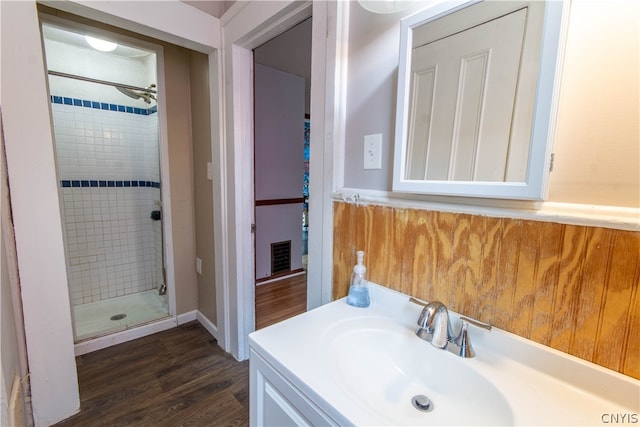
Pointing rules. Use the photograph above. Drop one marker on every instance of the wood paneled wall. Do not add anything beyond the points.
(573, 288)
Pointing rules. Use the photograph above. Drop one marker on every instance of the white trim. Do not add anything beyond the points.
(243, 131)
(328, 112)
(156, 19)
(535, 185)
(28, 134)
(246, 26)
(187, 317)
(565, 213)
(29, 150)
(99, 343)
(221, 203)
(163, 142)
(165, 189)
(207, 324)
(277, 279)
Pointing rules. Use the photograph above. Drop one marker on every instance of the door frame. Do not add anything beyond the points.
(163, 164)
(28, 141)
(247, 25)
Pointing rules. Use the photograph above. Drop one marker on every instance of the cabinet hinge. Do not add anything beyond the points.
(551, 162)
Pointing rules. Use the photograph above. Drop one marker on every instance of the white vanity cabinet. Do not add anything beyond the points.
(275, 401)
(338, 365)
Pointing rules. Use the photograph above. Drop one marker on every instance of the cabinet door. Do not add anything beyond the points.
(477, 98)
(276, 409)
(464, 92)
(275, 401)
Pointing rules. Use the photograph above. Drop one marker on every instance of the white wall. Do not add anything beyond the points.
(290, 52)
(11, 329)
(597, 146)
(277, 223)
(279, 163)
(36, 210)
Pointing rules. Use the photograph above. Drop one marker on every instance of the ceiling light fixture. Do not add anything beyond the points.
(386, 6)
(101, 45)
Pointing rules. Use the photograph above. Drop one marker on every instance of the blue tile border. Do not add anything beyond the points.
(85, 103)
(79, 183)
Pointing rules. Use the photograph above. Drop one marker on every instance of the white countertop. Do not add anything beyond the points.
(537, 385)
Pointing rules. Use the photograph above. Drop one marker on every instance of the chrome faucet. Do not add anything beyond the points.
(434, 326)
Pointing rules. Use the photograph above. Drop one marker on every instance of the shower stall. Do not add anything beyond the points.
(106, 132)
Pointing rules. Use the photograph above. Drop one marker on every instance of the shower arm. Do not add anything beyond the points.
(102, 82)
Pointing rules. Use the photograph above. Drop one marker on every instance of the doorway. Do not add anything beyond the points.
(282, 82)
(104, 109)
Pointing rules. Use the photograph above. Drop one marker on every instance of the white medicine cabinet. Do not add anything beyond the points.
(477, 95)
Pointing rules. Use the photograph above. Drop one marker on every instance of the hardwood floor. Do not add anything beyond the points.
(178, 377)
(280, 300)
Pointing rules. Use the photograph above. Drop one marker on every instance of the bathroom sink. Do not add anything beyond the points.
(383, 366)
(364, 366)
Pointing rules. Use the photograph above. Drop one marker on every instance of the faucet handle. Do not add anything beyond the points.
(462, 341)
(476, 323)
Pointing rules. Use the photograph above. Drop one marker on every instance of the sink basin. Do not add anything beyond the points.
(383, 365)
(364, 366)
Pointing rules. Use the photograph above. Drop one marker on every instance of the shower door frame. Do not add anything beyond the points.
(168, 269)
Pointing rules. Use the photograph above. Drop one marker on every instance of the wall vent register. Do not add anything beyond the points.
(280, 257)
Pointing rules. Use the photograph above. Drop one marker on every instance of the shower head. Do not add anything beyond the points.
(128, 92)
(138, 94)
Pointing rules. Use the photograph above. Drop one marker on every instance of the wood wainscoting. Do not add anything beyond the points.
(573, 288)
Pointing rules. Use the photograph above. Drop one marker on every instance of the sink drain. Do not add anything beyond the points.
(118, 316)
(422, 403)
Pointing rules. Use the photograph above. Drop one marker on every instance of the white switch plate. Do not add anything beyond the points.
(372, 148)
(198, 266)
(210, 171)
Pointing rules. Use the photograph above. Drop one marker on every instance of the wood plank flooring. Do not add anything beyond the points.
(280, 300)
(179, 377)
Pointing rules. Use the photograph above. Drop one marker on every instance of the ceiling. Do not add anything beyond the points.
(66, 36)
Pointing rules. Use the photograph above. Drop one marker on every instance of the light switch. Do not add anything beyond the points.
(372, 149)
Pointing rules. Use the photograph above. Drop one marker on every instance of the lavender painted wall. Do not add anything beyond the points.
(279, 168)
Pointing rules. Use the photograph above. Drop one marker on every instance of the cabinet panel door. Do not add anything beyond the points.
(274, 401)
(278, 411)
(463, 93)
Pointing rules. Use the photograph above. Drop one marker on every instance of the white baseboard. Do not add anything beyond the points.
(124, 336)
(208, 325)
(278, 278)
(201, 318)
(99, 343)
(187, 317)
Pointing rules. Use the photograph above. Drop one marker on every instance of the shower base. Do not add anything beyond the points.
(94, 319)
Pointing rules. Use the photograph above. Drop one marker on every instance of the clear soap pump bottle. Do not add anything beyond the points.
(358, 290)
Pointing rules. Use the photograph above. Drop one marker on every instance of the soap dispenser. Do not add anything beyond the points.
(358, 289)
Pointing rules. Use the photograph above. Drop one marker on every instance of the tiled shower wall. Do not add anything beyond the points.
(108, 170)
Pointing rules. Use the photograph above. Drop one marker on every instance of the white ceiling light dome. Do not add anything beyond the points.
(101, 45)
(386, 6)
